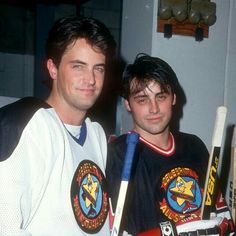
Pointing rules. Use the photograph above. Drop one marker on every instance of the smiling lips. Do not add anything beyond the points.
(154, 118)
(87, 90)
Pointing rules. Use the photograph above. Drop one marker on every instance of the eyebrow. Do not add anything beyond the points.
(84, 63)
(140, 96)
(137, 95)
(77, 61)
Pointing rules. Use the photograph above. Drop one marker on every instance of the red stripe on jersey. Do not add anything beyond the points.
(166, 152)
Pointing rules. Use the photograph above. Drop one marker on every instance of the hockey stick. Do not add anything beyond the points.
(132, 140)
(210, 182)
(232, 187)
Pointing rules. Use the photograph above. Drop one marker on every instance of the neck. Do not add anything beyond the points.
(67, 114)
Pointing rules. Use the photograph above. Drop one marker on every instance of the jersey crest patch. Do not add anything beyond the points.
(183, 195)
(89, 197)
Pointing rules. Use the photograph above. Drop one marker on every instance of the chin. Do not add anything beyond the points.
(157, 131)
(87, 106)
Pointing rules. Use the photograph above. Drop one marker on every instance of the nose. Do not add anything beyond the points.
(90, 77)
(154, 107)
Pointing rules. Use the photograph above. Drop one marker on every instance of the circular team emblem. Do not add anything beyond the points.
(89, 197)
(183, 195)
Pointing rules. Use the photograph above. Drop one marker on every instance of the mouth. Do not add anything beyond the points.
(86, 90)
(153, 118)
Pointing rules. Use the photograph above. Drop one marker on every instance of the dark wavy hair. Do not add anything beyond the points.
(144, 69)
(67, 30)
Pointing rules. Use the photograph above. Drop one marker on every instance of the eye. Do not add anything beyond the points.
(78, 66)
(141, 100)
(99, 69)
(161, 96)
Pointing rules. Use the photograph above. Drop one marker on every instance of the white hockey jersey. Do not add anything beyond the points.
(51, 182)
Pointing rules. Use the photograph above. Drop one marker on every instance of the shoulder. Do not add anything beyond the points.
(118, 142)
(190, 143)
(115, 156)
(187, 138)
(13, 119)
(23, 108)
(116, 149)
(19, 113)
(94, 126)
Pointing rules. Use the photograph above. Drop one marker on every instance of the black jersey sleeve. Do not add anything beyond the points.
(13, 119)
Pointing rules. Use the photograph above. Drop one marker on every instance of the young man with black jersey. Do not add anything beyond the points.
(168, 173)
(53, 157)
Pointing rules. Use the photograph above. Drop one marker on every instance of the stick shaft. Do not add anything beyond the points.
(132, 140)
(211, 175)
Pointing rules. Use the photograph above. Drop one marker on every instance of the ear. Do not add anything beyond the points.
(52, 69)
(174, 99)
(127, 106)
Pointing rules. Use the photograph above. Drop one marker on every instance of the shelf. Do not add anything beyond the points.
(182, 28)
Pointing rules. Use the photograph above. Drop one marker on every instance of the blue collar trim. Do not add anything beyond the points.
(83, 135)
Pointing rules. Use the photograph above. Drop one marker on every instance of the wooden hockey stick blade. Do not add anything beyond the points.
(132, 140)
(210, 182)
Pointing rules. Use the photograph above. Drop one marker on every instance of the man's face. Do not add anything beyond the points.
(80, 76)
(151, 109)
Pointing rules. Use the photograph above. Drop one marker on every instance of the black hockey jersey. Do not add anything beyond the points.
(164, 185)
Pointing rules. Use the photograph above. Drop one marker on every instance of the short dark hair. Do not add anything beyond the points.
(68, 29)
(144, 69)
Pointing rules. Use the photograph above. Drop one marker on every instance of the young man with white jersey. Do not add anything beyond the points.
(165, 189)
(52, 158)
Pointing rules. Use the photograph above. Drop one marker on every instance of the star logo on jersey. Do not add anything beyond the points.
(183, 190)
(90, 190)
(89, 197)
